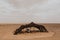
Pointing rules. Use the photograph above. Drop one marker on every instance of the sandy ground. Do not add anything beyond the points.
(6, 33)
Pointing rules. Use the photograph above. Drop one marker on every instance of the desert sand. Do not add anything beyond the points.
(7, 30)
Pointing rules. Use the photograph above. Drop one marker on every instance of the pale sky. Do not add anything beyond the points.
(24, 11)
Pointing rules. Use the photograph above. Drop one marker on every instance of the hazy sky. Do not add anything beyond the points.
(23, 11)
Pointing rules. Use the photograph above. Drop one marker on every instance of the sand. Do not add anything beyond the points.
(6, 33)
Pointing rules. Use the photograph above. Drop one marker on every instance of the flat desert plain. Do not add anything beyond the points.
(7, 30)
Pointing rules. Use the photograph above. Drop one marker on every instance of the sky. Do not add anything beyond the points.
(25, 11)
